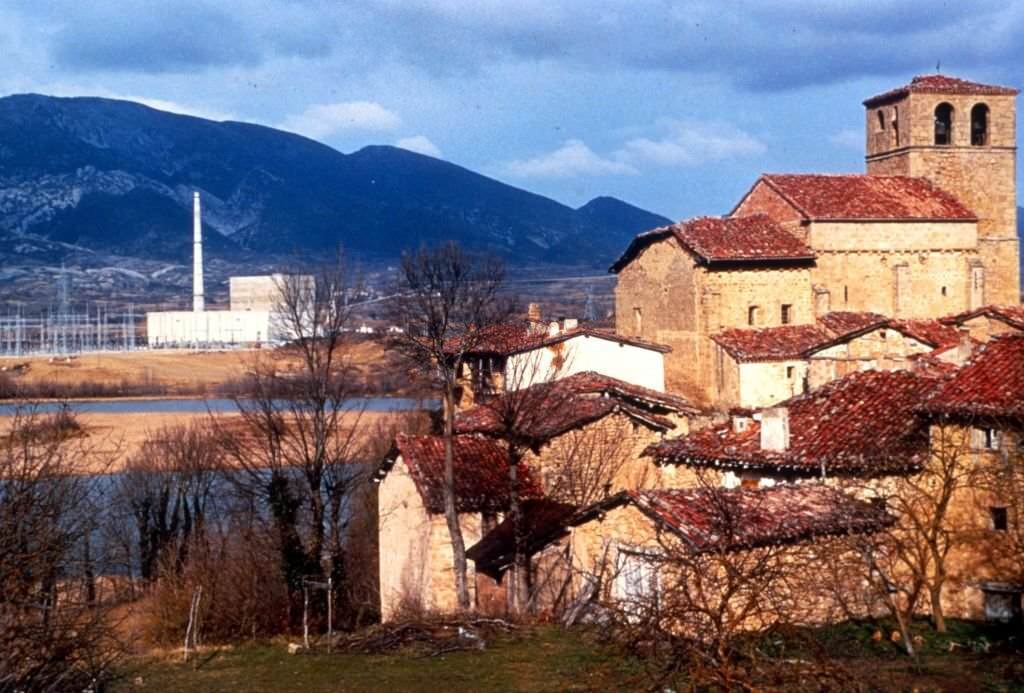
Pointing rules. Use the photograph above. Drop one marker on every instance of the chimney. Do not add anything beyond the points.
(570, 324)
(533, 312)
(964, 347)
(198, 305)
(553, 329)
(741, 420)
(775, 429)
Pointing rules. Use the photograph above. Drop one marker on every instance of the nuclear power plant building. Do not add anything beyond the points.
(249, 321)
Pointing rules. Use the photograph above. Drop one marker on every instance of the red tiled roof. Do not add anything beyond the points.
(783, 343)
(861, 424)
(517, 336)
(715, 519)
(1012, 315)
(543, 521)
(842, 322)
(930, 331)
(991, 383)
(481, 472)
(547, 410)
(940, 84)
(839, 197)
(755, 238)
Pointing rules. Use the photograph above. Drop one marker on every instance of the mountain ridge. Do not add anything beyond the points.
(117, 176)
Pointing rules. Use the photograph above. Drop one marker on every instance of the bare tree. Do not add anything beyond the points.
(296, 442)
(448, 301)
(54, 633)
(929, 527)
(168, 487)
(697, 601)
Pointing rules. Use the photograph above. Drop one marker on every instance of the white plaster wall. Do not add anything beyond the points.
(765, 383)
(404, 528)
(169, 328)
(632, 364)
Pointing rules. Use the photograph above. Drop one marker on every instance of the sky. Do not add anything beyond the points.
(676, 107)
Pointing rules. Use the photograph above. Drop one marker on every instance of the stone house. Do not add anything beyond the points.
(928, 231)
(870, 428)
(586, 433)
(984, 402)
(619, 552)
(682, 283)
(416, 560)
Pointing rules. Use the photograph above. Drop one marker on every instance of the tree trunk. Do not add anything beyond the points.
(938, 618)
(451, 514)
(519, 585)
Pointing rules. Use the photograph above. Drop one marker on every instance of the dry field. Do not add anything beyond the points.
(182, 370)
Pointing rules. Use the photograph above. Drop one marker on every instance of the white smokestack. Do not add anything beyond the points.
(197, 256)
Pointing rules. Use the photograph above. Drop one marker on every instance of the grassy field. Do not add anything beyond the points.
(551, 659)
(543, 659)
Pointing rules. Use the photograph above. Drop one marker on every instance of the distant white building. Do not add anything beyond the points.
(251, 320)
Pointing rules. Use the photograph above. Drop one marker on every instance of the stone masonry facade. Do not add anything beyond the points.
(929, 231)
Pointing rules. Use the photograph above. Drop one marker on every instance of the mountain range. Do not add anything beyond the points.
(117, 177)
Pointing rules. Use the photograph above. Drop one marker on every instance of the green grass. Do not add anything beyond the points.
(544, 658)
(538, 659)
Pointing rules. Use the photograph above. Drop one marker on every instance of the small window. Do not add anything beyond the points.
(943, 124)
(985, 439)
(846, 294)
(896, 125)
(1000, 519)
(638, 316)
(752, 315)
(787, 313)
(881, 120)
(979, 125)
(790, 372)
(636, 580)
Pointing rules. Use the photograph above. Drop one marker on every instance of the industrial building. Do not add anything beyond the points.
(249, 321)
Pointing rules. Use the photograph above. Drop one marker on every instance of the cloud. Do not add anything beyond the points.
(688, 144)
(324, 120)
(848, 139)
(421, 145)
(573, 159)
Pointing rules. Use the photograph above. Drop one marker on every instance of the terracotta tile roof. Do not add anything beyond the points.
(862, 424)
(783, 343)
(547, 410)
(840, 197)
(991, 383)
(731, 519)
(755, 238)
(517, 336)
(1012, 315)
(940, 84)
(481, 472)
(544, 520)
(930, 331)
(841, 322)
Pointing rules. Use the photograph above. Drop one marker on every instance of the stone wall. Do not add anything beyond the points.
(982, 177)
(416, 570)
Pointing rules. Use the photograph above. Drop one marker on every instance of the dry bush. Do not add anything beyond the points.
(54, 632)
(243, 594)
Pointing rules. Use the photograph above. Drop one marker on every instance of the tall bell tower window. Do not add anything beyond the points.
(943, 124)
(979, 125)
(881, 120)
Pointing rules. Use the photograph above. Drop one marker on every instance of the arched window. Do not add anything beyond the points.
(943, 124)
(979, 125)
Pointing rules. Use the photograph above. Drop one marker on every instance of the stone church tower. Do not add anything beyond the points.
(962, 136)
